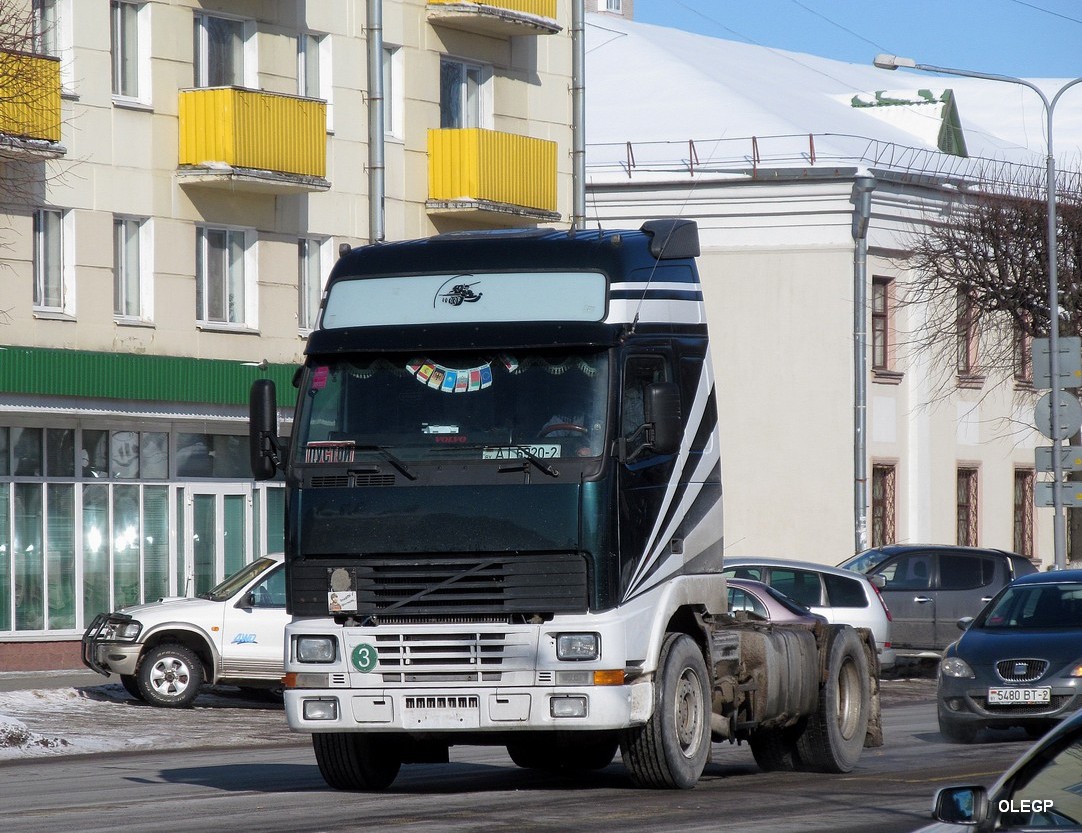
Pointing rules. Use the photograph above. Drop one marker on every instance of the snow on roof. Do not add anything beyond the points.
(659, 88)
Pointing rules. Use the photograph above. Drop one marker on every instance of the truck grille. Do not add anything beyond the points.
(416, 587)
(453, 657)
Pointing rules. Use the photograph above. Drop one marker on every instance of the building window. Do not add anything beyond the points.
(46, 27)
(51, 290)
(614, 5)
(310, 279)
(880, 322)
(131, 269)
(392, 92)
(125, 48)
(463, 94)
(884, 494)
(221, 281)
(1023, 512)
(1023, 356)
(314, 69)
(219, 51)
(967, 507)
(966, 329)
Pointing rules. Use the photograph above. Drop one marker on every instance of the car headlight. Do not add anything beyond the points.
(121, 630)
(955, 667)
(315, 648)
(1076, 670)
(578, 646)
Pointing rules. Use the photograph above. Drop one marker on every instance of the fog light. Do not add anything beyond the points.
(578, 646)
(315, 648)
(567, 706)
(320, 709)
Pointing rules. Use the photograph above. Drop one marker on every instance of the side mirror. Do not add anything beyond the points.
(879, 580)
(662, 406)
(961, 805)
(964, 623)
(263, 429)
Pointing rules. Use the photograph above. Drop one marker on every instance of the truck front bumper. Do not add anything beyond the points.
(482, 710)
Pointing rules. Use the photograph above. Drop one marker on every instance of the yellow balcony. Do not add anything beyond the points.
(491, 176)
(29, 105)
(503, 18)
(252, 140)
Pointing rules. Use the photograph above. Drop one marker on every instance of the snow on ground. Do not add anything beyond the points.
(105, 718)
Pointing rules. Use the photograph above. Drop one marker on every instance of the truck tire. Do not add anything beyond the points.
(169, 675)
(563, 754)
(352, 761)
(774, 750)
(833, 738)
(670, 751)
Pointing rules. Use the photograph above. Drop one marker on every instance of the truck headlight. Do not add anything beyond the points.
(578, 646)
(315, 648)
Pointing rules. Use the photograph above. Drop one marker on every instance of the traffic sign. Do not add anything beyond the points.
(1070, 414)
(1070, 493)
(1070, 458)
(1069, 349)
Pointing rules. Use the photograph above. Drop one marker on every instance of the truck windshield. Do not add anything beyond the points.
(430, 406)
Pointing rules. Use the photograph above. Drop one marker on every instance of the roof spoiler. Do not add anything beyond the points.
(672, 238)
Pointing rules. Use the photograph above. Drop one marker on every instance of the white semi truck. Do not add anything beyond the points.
(504, 525)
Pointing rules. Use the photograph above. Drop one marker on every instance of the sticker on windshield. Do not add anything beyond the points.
(449, 379)
(545, 451)
(330, 451)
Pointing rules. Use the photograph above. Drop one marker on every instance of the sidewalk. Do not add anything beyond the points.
(69, 678)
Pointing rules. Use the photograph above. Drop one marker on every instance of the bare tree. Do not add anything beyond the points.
(982, 270)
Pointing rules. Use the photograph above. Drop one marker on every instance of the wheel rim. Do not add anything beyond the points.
(170, 677)
(688, 712)
(848, 698)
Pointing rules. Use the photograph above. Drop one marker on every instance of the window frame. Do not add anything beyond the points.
(64, 268)
(143, 86)
(467, 116)
(51, 31)
(247, 281)
(881, 309)
(320, 43)
(967, 500)
(966, 321)
(245, 76)
(1023, 514)
(393, 101)
(144, 284)
(307, 295)
(883, 523)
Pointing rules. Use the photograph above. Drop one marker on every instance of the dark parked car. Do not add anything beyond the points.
(1039, 791)
(1019, 663)
(928, 588)
(760, 601)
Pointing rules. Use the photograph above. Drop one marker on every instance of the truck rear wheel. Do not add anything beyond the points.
(351, 761)
(833, 738)
(671, 749)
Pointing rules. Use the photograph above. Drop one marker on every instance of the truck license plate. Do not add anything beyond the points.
(1018, 696)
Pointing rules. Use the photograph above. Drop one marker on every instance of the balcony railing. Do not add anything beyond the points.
(29, 104)
(476, 171)
(235, 137)
(496, 17)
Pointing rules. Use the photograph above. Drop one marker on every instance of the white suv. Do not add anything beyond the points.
(166, 650)
(842, 596)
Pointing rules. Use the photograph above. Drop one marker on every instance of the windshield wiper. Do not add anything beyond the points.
(390, 458)
(529, 457)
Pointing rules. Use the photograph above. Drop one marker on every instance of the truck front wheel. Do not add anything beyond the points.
(671, 749)
(833, 738)
(351, 761)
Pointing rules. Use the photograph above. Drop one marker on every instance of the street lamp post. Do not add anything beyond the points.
(894, 62)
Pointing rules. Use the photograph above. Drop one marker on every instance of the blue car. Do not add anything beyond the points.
(1018, 663)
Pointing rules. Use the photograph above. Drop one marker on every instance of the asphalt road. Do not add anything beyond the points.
(233, 765)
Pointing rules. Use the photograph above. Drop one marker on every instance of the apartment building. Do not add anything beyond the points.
(176, 178)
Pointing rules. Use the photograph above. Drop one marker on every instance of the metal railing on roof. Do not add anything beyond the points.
(750, 156)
